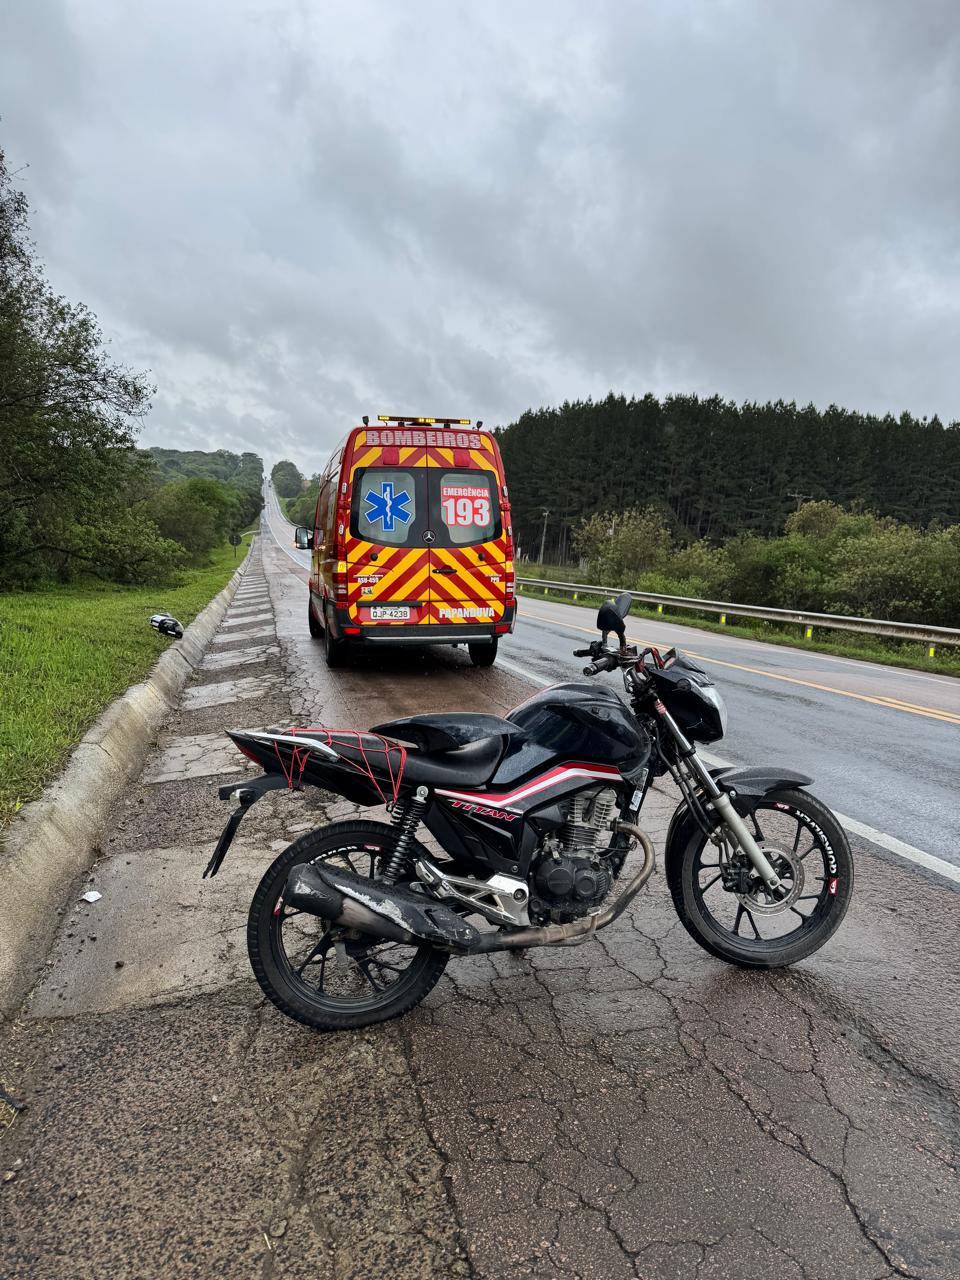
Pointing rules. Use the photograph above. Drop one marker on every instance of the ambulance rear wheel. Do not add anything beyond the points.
(316, 630)
(334, 651)
(483, 654)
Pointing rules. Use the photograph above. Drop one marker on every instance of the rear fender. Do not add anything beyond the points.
(745, 786)
(352, 765)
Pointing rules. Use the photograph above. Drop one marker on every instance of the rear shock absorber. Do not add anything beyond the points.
(406, 820)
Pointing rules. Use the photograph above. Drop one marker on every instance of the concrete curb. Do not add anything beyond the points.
(56, 839)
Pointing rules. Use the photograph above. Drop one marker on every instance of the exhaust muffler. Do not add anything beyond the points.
(384, 910)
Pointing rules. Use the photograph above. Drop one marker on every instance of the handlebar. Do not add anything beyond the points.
(607, 663)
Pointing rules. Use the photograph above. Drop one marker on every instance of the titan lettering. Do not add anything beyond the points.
(481, 811)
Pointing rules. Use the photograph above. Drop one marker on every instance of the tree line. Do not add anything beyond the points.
(77, 498)
(716, 469)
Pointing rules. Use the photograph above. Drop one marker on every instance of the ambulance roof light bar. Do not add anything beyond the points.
(405, 420)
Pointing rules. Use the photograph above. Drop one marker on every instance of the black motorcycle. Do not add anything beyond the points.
(533, 819)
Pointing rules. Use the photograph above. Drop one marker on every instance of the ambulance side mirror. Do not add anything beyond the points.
(303, 539)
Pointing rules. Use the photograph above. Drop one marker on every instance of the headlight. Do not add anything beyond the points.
(709, 694)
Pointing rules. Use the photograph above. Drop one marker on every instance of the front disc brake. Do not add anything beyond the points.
(790, 870)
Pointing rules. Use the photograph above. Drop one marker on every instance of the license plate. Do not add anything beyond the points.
(389, 612)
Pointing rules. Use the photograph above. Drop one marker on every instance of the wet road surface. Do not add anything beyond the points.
(628, 1108)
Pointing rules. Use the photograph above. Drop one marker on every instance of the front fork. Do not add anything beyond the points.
(721, 803)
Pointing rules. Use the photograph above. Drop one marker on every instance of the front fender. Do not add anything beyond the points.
(746, 787)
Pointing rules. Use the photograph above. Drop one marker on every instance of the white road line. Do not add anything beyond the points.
(523, 673)
(285, 549)
(892, 845)
(902, 850)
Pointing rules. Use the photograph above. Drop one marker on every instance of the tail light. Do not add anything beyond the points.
(340, 582)
(510, 587)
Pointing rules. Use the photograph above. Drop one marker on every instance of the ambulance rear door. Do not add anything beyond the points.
(468, 548)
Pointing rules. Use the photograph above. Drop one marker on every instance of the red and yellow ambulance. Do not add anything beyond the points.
(411, 540)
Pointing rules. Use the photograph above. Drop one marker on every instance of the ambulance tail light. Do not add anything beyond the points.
(510, 587)
(340, 584)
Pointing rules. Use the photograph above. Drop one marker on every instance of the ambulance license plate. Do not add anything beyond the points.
(389, 613)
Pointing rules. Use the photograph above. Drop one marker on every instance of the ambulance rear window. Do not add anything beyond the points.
(466, 502)
(386, 510)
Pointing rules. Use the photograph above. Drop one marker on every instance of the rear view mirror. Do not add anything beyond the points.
(622, 603)
(303, 539)
(609, 618)
(166, 625)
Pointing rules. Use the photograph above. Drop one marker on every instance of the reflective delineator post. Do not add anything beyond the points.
(809, 633)
(932, 651)
(723, 619)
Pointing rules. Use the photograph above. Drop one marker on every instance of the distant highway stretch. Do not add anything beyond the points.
(882, 743)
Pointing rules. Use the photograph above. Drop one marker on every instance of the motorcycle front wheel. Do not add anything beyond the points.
(324, 976)
(741, 922)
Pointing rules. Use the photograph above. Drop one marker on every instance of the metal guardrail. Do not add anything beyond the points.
(826, 621)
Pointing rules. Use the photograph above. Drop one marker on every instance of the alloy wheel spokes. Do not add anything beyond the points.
(754, 915)
(331, 961)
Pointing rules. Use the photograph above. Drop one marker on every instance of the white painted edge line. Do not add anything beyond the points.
(284, 549)
(929, 861)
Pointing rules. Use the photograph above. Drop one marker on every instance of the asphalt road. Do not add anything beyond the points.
(629, 1108)
(881, 743)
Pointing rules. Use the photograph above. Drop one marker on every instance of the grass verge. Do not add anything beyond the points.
(66, 653)
(841, 644)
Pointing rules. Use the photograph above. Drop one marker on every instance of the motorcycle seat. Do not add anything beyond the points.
(449, 748)
(447, 730)
(469, 766)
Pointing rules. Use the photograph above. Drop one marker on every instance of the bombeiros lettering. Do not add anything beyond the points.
(414, 439)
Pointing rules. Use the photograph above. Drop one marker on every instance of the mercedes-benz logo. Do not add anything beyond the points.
(429, 536)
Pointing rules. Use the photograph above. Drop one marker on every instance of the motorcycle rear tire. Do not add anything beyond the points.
(268, 959)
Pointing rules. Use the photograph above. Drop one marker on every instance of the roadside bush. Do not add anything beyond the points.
(899, 573)
(196, 513)
(704, 568)
(302, 508)
(828, 560)
(619, 547)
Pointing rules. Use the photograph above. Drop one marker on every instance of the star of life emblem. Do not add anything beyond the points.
(387, 507)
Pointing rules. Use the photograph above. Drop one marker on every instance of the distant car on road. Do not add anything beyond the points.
(411, 540)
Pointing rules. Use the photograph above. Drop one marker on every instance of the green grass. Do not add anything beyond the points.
(842, 644)
(66, 653)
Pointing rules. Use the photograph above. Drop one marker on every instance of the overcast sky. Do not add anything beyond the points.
(296, 213)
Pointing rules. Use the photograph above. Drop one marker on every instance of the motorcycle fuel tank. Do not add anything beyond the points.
(574, 722)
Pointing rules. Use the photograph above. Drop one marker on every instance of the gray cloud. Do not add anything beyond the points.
(297, 213)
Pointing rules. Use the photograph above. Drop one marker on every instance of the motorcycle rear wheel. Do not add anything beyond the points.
(812, 855)
(352, 982)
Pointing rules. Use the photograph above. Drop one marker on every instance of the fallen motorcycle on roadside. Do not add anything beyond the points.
(536, 816)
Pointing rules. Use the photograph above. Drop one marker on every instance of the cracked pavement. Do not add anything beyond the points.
(627, 1108)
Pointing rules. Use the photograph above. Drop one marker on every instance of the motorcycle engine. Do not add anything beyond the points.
(569, 876)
